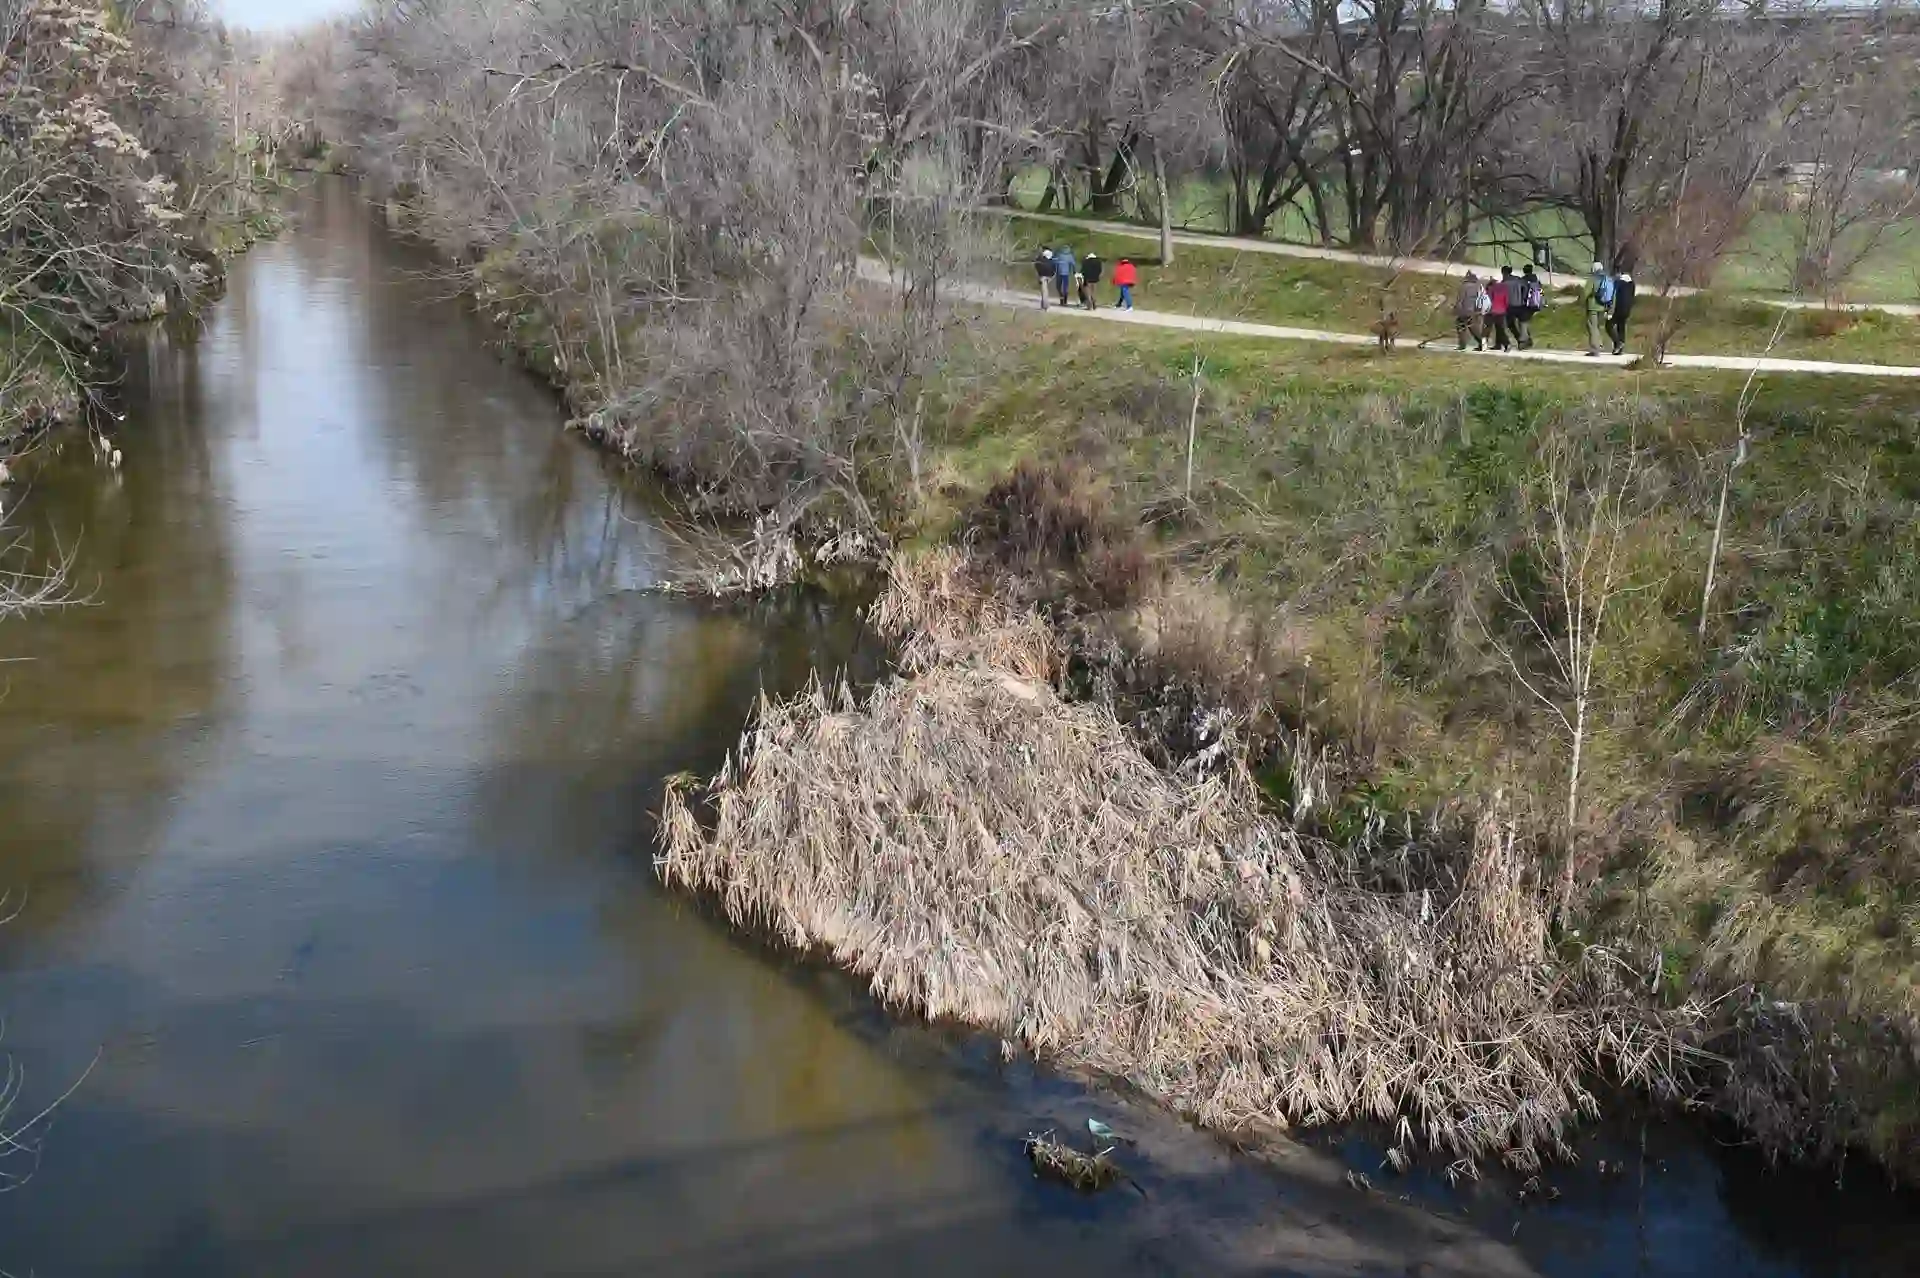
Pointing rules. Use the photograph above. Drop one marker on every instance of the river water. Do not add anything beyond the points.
(325, 815)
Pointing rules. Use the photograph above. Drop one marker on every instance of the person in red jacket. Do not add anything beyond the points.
(1500, 295)
(1125, 276)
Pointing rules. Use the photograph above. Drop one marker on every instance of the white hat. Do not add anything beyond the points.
(1049, 253)
(1598, 267)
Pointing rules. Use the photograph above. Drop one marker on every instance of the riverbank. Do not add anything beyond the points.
(1354, 567)
(1355, 556)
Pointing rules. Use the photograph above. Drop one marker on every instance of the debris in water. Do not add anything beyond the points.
(1085, 1172)
(1100, 1130)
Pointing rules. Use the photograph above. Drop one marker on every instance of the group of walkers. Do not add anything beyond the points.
(1502, 309)
(1071, 277)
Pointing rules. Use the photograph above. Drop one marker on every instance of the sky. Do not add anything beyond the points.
(278, 15)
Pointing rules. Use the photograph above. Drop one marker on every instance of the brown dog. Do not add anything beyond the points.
(1387, 329)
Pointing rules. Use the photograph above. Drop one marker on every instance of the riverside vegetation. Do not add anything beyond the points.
(125, 177)
(1300, 736)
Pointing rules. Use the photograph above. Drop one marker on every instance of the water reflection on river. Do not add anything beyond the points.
(330, 808)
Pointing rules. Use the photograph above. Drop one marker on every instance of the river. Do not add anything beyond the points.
(325, 821)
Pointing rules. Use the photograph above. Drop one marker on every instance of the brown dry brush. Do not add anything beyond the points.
(979, 849)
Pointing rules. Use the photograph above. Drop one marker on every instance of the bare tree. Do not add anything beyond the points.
(1559, 590)
(1620, 82)
(1851, 180)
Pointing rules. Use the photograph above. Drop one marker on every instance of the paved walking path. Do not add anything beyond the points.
(1418, 265)
(990, 295)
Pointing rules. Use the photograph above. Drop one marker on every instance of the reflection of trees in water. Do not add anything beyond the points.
(94, 721)
(474, 444)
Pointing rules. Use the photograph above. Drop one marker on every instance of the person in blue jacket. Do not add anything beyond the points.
(1063, 268)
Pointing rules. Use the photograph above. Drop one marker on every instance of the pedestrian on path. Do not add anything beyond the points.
(1531, 299)
(1125, 276)
(1623, 290)
(1043, 267)
(1500, 307)
(1091, 268)
(1598, 304)
(1063, 268)
(1468, 306)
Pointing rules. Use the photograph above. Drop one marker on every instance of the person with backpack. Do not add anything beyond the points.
(1598, 304)
(1043, 267)
(1500, 307)
(1623, 291)
(1469, 304)
(1529, 300)
(1125, 276)
(1063, 269)
(1091, 268)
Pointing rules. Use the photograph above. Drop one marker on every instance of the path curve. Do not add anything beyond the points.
(1418, 265)
(876, 271)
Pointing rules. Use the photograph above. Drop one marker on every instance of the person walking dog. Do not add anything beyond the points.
(1091, 268)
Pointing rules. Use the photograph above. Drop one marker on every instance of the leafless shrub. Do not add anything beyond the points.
(1560, 587)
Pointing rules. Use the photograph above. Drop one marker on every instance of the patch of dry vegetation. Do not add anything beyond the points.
(979, 849)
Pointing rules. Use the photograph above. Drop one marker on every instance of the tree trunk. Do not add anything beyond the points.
(1106, 195)
(1166, 207)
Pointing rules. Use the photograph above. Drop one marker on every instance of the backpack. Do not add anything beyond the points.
(1605, 291)
(1535, 297)
(1482, 303)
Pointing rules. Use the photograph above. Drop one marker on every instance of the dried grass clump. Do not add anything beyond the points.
(980, 850)
(1053, 521)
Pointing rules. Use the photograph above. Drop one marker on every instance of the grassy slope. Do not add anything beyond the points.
(1753, 795)
(1281, 290)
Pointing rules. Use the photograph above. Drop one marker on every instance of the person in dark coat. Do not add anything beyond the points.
(1525, 300)
(1091, 268)
(1623, 290)
(1043, 267)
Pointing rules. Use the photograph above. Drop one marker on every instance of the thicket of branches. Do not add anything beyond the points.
(682, 191)
(113, 148)
(1411, 125)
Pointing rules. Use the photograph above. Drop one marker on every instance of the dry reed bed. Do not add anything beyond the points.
(980, 850)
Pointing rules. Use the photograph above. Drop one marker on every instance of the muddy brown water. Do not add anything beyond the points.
(326, 816)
